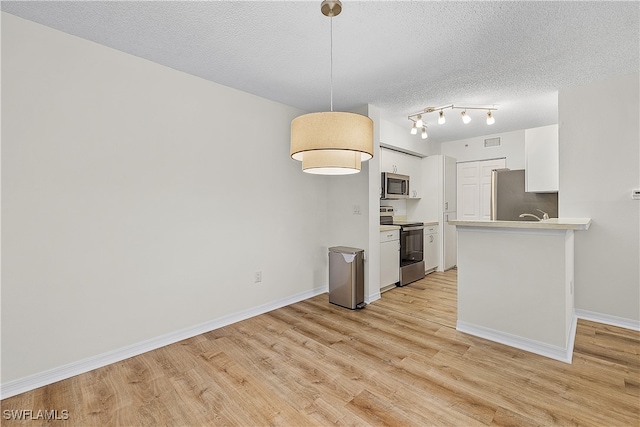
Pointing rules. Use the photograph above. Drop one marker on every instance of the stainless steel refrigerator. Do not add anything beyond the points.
(509, 200)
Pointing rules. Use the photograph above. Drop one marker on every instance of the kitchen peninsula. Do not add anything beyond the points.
(515, 283)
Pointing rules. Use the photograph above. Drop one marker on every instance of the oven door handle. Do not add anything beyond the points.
(419, 227)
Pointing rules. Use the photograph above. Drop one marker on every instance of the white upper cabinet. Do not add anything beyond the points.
(541, 159)
(390, 160)
(403, 164)
(414, 167)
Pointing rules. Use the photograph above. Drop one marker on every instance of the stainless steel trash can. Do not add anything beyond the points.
(346, 277)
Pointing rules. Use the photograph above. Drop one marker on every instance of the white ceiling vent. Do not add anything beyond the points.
(492, 142)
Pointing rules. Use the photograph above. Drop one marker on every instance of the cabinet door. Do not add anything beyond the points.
(430, 249)
(403, 164)
(386, 161)
(450, 172)
(389, 263)
(468, 194)
(391, 161)
(413, 167)
(541, 159)
(449, 243)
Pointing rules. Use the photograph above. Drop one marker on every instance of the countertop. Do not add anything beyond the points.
(547, 224)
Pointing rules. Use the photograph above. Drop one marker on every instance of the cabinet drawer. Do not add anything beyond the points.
(430, 229)
(387, 236)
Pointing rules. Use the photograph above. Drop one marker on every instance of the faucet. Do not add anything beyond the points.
(531, 215)
(544, 215)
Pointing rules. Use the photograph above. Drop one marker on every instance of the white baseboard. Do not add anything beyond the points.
(372, 298)
(526, 344)
(40, 379)
(388, 288)
(607, 319)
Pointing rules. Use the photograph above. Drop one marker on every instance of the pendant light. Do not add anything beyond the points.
(465, 117)
(490, 119)
(331, 143)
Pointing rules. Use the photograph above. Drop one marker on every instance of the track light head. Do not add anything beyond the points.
(465, 117)
(424, 133)
(419, 123)
(490, 119)
(414, 129)
(441, 119)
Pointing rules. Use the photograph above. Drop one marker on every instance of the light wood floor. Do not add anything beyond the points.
(398, 362)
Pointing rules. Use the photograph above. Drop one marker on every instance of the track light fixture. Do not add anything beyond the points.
(419, 122)
(424, 133)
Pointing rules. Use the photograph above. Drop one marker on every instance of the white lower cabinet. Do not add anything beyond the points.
(389, 259)
(430, 248)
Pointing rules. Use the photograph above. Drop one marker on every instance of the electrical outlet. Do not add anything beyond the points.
(357, 210)
(258, 277)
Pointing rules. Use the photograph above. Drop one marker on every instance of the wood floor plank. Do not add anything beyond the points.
(398, 362)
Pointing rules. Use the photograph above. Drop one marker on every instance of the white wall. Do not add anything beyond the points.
(347, 228)
(372, 262)
(137, 201)
(353, 211)
(599, 142)
(471, 149)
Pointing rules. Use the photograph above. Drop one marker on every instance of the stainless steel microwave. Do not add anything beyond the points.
(394, 186)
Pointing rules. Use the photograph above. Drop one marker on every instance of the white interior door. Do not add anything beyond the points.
(468, 190)
(474, 188)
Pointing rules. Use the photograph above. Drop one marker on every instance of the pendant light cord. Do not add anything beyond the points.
(331, 63)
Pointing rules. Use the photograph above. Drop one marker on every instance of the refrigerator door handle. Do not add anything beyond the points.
(494, 199)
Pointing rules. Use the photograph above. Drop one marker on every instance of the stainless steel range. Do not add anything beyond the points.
(411, 246)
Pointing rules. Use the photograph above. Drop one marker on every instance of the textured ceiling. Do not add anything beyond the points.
(398, 55)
